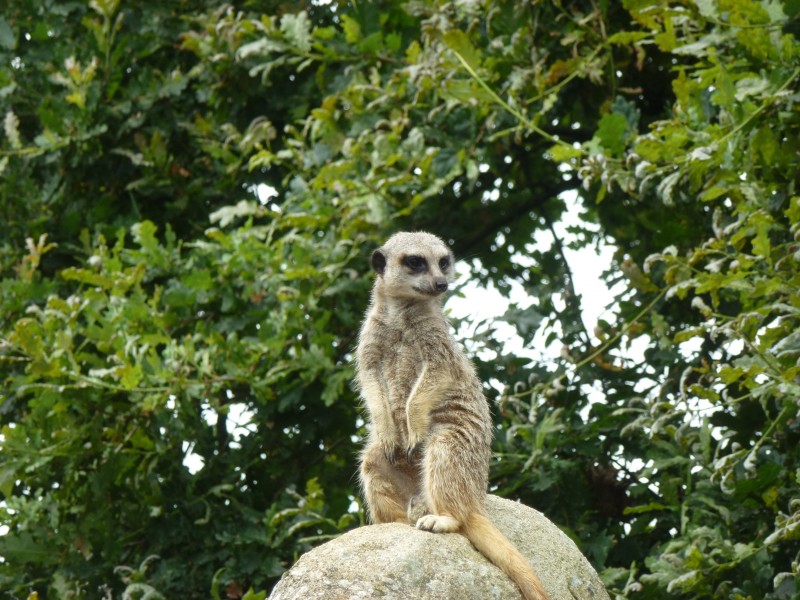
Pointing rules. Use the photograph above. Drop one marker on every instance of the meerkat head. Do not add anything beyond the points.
(413, 265)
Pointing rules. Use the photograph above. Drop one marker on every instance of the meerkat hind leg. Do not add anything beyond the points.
(450, 491)
(439, 523)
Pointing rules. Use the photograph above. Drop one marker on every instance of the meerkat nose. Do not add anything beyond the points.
(440, 284)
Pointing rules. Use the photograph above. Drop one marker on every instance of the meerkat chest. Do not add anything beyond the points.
(396, 356)
(393, 353)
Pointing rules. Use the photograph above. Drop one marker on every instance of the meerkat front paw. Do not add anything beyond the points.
(390, 451)
(387, 440)
(438, 523)
(412, 452)
(414, 448)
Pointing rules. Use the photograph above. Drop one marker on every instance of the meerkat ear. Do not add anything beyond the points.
(379, 261)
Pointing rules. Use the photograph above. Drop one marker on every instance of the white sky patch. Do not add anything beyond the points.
(264, 193)
(690, 347)
(191, 460)
(240, 422)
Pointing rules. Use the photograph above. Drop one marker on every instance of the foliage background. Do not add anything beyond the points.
(151, 290)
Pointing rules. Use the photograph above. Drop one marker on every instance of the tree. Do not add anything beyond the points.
(149, 293)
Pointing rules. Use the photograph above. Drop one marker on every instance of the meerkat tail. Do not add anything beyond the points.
(499, 550)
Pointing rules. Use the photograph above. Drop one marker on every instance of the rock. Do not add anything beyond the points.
(398, 562)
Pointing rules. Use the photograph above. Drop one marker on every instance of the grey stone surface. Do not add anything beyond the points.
(398, 562)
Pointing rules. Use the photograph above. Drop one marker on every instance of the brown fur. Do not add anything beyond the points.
(427, 458)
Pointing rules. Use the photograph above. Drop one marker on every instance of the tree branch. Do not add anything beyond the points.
(573, 296)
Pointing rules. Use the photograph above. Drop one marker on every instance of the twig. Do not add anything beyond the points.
(570, 279)
(520, 117)
(622, 332)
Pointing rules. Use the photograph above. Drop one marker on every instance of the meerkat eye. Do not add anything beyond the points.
(418, 264)
(444, 263)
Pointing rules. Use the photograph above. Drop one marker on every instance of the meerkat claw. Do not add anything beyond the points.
(411, 453)
(391, 454)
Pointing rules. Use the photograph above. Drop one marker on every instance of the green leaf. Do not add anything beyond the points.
(352, 30)
(685, 581)
(765, 145)
(761, 242)
(372, 44)
(215, 583)
(729, 374)
(8, 478)
(87, 276)
(725, 93)
(707, 8)
(793, 212)
(334, 386)
(627, 37)
(788, 346)
(466, 91)
(688, 334)
(228, 214)
(459, 42)
(8, 38)
(198, 280)
(144, 234)
(252, 595)
(563, 153)
(130, 376)
(611, 133)
(706, 45)
(140, 440)
(297, 28)
(645, 508)
(713, 193)
(776, 9)
(394, 42)
(751, 86)
(21, 548)
(666, 187)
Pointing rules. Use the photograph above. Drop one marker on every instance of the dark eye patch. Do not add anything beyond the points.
(418, 264)
(444, 263)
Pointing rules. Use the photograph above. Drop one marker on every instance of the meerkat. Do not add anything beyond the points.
(426, 460)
